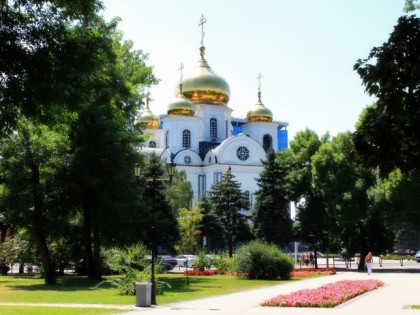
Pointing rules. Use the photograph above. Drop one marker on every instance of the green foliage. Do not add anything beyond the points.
(129, 262)
(189, 221)
(387, 133)
(258, 260)
(222, 261)
(271, 213)
(359, 220)
(179, 193)
(228, 200)
(202, 262)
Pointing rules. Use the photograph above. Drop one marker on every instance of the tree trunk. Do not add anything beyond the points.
(92, 244)
(97, 263)
(39, 229)
(87, 239)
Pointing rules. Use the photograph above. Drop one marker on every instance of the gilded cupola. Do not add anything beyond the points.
(147, 119)
(259, 112)
(181, 106)
(203, 85)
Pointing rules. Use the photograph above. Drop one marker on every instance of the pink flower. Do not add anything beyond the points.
(329, 295)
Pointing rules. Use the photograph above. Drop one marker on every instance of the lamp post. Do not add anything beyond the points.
(170, 168)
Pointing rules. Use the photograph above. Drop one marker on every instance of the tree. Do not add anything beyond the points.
(104, 140)
(179, 194)
(228, 201)
(153, 200)
(41, 63)
(271, 213)
(211, 226)
(34, 165)
(359, 223)
(387, 134)
(189, 221)
(312, 221)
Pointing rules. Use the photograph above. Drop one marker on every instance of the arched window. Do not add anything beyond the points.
(186, 139)
(267, 142)
(152, 144)
(227, 129)
(213, 128)
(167, 139)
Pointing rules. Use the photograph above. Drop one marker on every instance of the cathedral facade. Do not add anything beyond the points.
(199, 134)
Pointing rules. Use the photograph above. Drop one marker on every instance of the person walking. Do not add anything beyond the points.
(368, 262)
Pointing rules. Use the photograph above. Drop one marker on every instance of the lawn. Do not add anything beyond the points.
(72, 289)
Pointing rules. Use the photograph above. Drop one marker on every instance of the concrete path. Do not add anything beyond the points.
(401, 290)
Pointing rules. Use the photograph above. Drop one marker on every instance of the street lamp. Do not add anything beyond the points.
(170, 168)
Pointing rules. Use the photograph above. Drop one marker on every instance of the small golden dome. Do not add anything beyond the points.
(147, 119)
(204, 86)
(181, 107)
(259, 112)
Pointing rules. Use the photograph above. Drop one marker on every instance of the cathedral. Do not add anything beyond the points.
(199, 134)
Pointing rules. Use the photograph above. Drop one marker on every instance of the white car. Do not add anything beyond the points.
(185, 260)
(417, 257)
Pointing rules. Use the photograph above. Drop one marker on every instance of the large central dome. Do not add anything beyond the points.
(204, 86)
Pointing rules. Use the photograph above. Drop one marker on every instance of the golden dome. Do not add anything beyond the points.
(259, 112)
(181, 107)
(147, 119)
(204, 86)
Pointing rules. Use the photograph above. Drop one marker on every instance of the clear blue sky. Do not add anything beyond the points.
(305, 51)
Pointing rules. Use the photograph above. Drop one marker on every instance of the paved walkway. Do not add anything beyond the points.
(401, 290)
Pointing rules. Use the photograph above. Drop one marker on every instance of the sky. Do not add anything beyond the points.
(305, 51)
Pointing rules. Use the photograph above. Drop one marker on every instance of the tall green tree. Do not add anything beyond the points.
(229, 202)
(166, 232)
(312, 221)
(212, 229)
(34, 166)
(104, 140)
(271, 212)
(387, 134)
(189, 221)
(359, 224)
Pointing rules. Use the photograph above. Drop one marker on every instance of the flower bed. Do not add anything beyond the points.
(304, 272)
(329, 295)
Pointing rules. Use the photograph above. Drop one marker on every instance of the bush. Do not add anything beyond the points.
(258, 260)
(223, 262)
(202, 262)
(132, 264)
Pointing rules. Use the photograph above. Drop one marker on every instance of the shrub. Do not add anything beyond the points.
(202, 262)
(131, 262)
(258, 260)
(223, 261)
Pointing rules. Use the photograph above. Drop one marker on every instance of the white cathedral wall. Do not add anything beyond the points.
(176, 125)
(257, 131)
(220, 113)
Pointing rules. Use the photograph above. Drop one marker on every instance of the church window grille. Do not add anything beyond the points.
(187, 159)
(152, 144)
(167, 139)
(242, 153)
(186, 139)
(213, 128)
(217, 176)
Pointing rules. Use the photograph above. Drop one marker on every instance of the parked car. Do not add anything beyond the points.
(417, 257)
(168, 259)
(404, 252)
(184, 260)
(162, 265)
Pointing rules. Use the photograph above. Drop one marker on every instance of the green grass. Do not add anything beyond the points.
(72, 289)
(30, 310)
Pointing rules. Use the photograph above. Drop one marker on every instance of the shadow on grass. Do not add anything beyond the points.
(66, 283)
